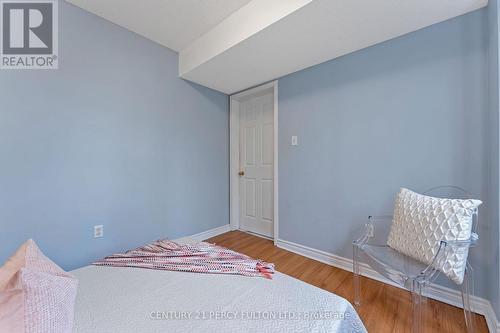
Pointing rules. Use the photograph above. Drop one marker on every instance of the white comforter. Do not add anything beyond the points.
(135, 300)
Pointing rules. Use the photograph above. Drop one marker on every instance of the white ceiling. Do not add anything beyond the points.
(319, 31)
(231, 45)
(172, 23)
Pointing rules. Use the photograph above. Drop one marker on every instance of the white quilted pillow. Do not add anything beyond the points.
(421, 222)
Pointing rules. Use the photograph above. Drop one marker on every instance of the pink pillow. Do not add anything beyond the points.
(12, 266)
(36, 295)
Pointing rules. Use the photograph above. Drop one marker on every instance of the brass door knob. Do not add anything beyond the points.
(241, 173)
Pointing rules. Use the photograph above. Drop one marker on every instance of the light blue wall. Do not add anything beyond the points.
(493, 152)
(112, 137)
(409, 112)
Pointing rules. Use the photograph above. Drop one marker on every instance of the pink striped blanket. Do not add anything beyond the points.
(200, 258)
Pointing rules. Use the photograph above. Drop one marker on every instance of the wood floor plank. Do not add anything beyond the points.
(384, 308)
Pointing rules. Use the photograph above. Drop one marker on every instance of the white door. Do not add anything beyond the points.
(256, 164)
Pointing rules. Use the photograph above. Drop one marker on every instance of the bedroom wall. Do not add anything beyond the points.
(409, 112)
(112, 137)
(493, 153)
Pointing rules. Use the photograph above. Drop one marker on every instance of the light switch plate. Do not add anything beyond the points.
(295, 140)
(98, 231)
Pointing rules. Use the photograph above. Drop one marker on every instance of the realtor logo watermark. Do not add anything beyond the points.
(29, 34)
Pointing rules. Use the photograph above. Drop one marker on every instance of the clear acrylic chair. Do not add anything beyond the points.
(407, 272)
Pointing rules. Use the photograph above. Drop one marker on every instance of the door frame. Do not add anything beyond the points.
(234, 155)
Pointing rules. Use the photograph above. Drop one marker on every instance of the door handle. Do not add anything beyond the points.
(241, 173)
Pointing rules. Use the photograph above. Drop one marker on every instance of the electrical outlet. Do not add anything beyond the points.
(98, 231)
(370, 230)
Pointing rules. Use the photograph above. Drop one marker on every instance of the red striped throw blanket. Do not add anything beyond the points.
(200, 258)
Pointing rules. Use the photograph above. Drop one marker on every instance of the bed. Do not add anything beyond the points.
(121, 299)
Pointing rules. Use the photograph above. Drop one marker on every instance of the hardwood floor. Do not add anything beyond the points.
(384, 308)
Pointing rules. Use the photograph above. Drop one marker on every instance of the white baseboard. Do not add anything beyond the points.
(437, 292)
(491, 317)
(210, 233)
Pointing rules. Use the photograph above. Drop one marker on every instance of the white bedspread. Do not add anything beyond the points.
(115, 299)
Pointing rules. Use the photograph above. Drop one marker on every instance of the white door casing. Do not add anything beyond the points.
(254, 150)
(256, 164)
